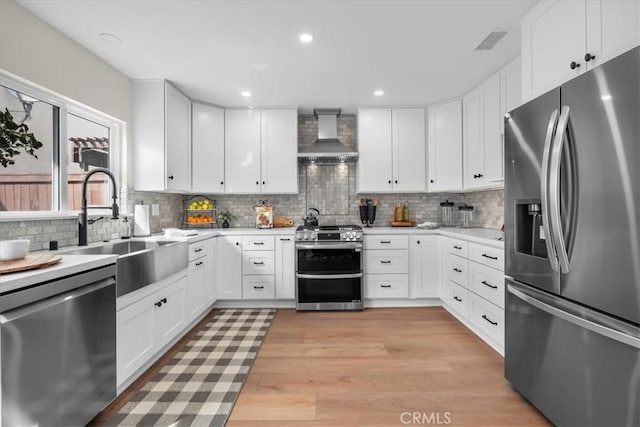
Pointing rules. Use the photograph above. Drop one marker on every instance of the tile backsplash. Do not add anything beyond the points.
(330, 188)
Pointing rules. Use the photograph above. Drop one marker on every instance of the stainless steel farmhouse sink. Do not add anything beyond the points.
(141, 262)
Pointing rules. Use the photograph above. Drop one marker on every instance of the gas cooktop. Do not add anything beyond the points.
(329, 232)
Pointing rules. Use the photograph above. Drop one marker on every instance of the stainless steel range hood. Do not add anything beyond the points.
(327, 148)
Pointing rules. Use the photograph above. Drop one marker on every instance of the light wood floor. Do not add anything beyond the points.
(379, 367)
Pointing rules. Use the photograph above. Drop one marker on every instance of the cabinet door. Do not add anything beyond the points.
(171, 316)
(445, 146)
(279, 130)
(424, 264)
(472, 140)
(135, 337)
(242, 151)
(553, 35)
(207, 157)
(510, 89)
(409, 150)
(285, 267)
(491, 131)
(210, 278)
(229, 268)
(613, 27)
(196, 273)
(375, 153)
(178, 139)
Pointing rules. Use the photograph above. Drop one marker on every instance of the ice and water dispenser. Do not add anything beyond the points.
(529, 232)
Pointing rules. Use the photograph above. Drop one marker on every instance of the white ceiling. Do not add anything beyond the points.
(418, 52)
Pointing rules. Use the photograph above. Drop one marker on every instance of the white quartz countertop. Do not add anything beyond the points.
(485, 236)
(68, 265)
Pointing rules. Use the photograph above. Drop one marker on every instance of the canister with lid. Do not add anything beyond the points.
(466, 215)
(446, 208)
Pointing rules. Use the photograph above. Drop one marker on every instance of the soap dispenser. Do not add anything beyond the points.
(126, 231)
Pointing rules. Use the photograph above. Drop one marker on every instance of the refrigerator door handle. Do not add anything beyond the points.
(544, 191)
(554, 190)
(574, 319)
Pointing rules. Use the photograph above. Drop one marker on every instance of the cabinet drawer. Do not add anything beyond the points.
(386, 286)
(258, 287)
(197, 250)
(257, 243)
(487, 282)
(458, 247)
(457, 297)
(493, 257)
(386, 262)
(487, 317)
(386, 242)
(258, 262)
(458, 270)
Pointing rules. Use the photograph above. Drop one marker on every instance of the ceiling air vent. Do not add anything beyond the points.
(491, 40)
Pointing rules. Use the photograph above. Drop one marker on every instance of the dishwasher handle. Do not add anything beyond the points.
(26, 310)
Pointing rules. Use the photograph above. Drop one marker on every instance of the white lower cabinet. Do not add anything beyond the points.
(144, 326)
(197, 277)
(258, 287)
(386, 266)
(229, 268)
(386, 286)
(285, 267)
(473, 288)
(424, 266)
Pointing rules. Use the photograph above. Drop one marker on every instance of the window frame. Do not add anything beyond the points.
(60, 163)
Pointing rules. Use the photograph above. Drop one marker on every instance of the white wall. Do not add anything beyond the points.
(32, 49)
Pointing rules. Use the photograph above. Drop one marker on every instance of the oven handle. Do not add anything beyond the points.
(329, 246)
(329, 276)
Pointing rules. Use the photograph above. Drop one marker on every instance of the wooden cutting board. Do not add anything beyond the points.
(28, 263)
(402, 223)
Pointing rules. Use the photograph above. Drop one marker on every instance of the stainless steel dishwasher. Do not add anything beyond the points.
(58, 350)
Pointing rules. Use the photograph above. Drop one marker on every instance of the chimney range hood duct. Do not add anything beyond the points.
(327, 148)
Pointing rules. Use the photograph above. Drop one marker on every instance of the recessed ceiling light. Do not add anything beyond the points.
(110, 38)
(306, 38)
(245, 93)
(378, 92)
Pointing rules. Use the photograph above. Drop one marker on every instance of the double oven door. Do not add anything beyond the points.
(329, 275)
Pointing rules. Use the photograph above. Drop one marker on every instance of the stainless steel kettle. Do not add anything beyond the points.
(311, 219)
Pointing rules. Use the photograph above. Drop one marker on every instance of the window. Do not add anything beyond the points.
(75, 140)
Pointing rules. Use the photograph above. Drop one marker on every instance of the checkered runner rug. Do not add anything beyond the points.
(199, 386)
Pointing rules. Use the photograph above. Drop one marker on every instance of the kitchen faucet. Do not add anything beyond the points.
(82, 219)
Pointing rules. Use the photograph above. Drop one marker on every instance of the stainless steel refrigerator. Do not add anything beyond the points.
(572, 242)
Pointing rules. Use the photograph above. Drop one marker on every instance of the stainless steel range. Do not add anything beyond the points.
(329, 267)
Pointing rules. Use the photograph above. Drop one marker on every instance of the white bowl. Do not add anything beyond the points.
(13, 249)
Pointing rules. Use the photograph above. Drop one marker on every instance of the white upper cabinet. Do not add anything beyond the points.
(279, 156)
(374, 147)
(161, 137)
(242, 151)
(482, 136)
(510, 88)
(207, 149)
(392, 148)
(561, 39)
(444, 136)
(261, 151)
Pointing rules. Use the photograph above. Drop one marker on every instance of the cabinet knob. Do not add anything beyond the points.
(237, 243)
(257, 182)
(395, 182)
(164, 300)
(170, 177)
(588, 57)
(158, 304)
(418, 241)
(221, 182)
(264, 183)
(389, 181)
(574, 65)
(431, 181)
